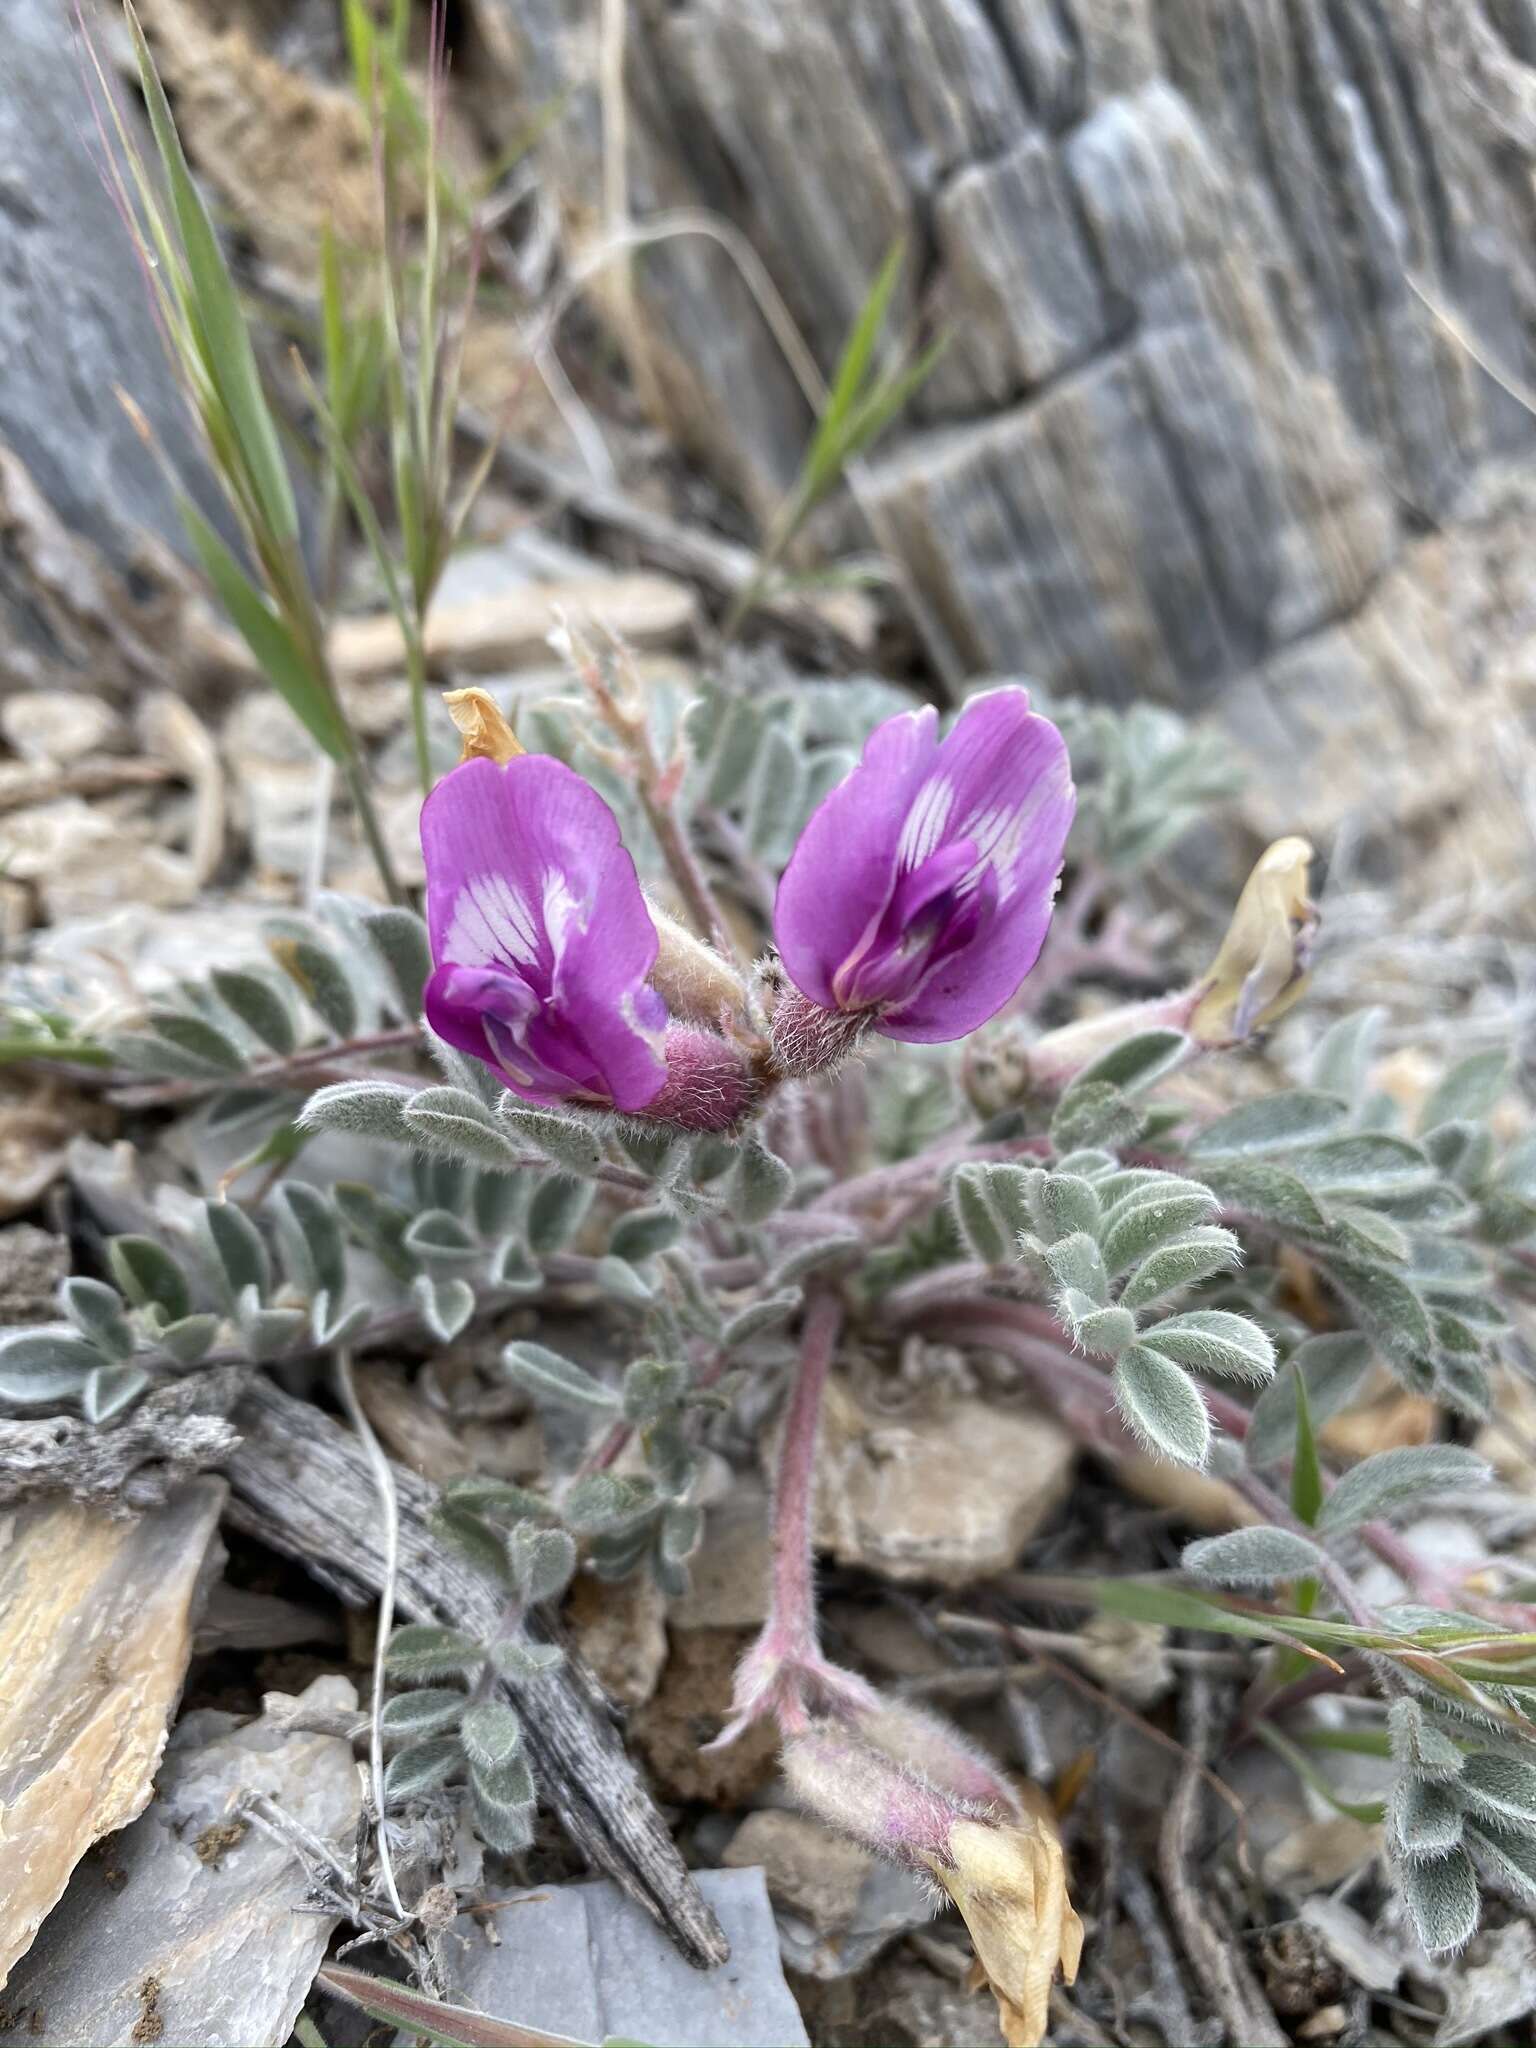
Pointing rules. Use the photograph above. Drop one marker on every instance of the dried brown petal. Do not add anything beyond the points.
(484, 726)
(1261, 969)
(1010, 1884)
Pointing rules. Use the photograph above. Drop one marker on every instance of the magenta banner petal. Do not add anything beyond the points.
(540, 935)
(920, 892)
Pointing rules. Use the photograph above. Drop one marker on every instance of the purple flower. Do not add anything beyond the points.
(540, 935)
(920, 892)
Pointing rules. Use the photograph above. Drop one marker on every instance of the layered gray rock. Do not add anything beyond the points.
(75, 323)
(1193, 409)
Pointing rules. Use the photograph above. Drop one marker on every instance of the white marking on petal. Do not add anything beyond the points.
(1000, 833)
(561, 908)
(491, 921)
(925, 822)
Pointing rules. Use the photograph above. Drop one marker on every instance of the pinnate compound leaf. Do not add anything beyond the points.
(199, 1039)
(981, 1229)
(1388, 1309)
(602, 1502)
(1077, 1265)
(1391, 1477)
(312, 1242)
(320, 978)
(1342, 1062)
(1149, 1218)
(1509, 1853)
(239, 1255)
(644, 1234)
(1065, 1202)
(189, 1338)
(476, 1539)
(1105, 1332)
(1266, 1192)
(522, 1662)
(758, 1317)
(1162, 1406)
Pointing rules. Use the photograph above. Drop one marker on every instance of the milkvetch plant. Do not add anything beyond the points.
(745, 1022)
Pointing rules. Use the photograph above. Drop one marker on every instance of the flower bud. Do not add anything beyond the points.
(710, 1084)
(690, 977)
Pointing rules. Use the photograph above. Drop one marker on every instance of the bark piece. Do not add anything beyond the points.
(135, 1463)
(194, 1901)
(301, 1484)
(96, 1615)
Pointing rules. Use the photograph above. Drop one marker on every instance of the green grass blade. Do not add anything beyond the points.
(1306, 1471)
(858, 354)
(277, 653)
(214, 305)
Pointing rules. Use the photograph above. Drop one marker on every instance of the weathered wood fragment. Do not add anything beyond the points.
(301, 1484)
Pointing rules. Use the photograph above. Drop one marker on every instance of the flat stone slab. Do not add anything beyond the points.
(184, 1927)
(583, 1960)
(96, 1619)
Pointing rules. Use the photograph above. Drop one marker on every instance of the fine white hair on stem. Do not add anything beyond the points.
(384, 1479)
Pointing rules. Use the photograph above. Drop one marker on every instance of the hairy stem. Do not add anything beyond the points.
(311, 1065)
(793, 1607)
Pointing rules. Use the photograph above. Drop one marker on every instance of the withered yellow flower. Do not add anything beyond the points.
(1009, 1882)
(483, 724)
(1261, 969)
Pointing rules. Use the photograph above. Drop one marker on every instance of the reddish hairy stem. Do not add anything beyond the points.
(793, 1614)
(307, 1066)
